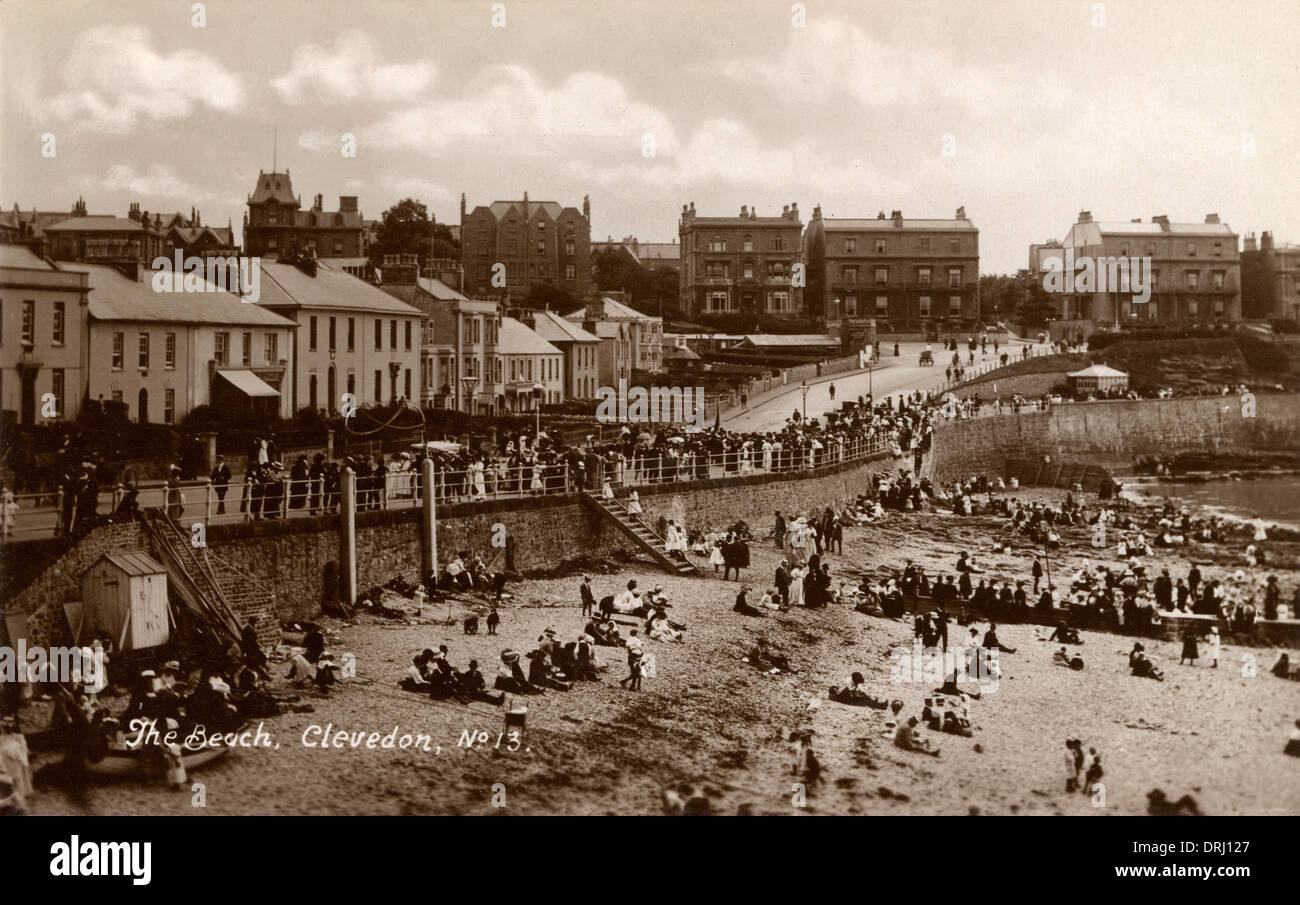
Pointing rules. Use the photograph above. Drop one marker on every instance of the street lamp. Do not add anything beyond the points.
(537, 410)
(803, 388)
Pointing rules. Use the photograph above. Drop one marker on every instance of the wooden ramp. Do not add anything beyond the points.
(635, 528)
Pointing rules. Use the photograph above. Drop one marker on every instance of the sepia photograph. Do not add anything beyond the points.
(630, 408)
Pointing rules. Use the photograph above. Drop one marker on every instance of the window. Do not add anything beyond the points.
(541, 246)
(850, 305)
(717, 270)
(352, 334)
(717, 301)
(1151, 249)
(1123, 249)
(849, 275)
(1193, 280)
(57, 335)
(144, 350)
(271, 356)
(923, 276)
(954, 245)
(169, 352)
(850, 246)
(778, 243)
(717, 243)
(1218, 309)
(1192, 308)
(392, 334)
(352, 384)
(1155, 278)
(924, 244)
(954, 277)
(408, 336)
(748, 269)
(954, 305)
(379, 386)
(569, 246)
(925, 306)
(117, 395)
(882, 306)
(780, 301)
(169, 406)
(749, 243)
(29, 323)
(272, 242)
(1191, 249)
(56, 377)
(119, 350)
(379, 335)
(882, 276)
(1218, 278)
(221, 348)
(881, 245)
(246, 343)
(569, 272)
(338, 246)
(1218, 249)
(311, 333)
(408, 383)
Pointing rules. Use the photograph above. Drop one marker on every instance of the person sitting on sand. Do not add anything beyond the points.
(743, 606)
(510, 677)
(1065, 634)
(909, 737)
(540, 673)
(660, 629)
(854, 695)
(1159, 805)
(991, 640)
(475, 686)
(1142, 665)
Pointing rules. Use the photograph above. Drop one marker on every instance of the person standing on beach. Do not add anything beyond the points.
(1037, 572)
(778, 530)
(634, 654)
(1190, 651)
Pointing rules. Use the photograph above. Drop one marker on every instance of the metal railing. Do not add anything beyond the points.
(203, 502)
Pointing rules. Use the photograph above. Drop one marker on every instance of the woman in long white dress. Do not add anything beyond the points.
(480, 489)
(767, 455)
(796, 586)
(634, 504)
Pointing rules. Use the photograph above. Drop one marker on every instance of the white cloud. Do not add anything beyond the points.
(509, 108)
(831, 60)
(114, 78)
(347, 70)
(158, 182)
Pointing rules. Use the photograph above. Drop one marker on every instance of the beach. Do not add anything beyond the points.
(711, 720)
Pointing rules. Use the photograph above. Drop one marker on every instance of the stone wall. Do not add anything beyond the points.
(1111, 433)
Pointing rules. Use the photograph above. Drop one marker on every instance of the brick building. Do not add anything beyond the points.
(538, 243)
(741, 263)
(1270, 278)
(909, 275)
(276, 226)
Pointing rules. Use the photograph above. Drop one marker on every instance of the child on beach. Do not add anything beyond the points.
(493, 620)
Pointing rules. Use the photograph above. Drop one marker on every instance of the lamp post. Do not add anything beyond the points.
(537, 411)
(470, 384)
(803, 388)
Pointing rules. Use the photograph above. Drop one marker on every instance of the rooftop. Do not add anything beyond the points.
(517, 339)
(285, 285)
(550, 326)
(115, 297)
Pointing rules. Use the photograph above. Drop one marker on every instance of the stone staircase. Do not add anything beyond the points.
(635, 528)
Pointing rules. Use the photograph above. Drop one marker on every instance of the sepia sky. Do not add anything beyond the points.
(1049, 108)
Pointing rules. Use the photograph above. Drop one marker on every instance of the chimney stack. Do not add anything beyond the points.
(1211, 218)
(1163, 220)
(1085, 217)
(744, 211)
(961, 213)
(1248, 242)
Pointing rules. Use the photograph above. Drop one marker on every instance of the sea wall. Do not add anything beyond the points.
(1110, 434)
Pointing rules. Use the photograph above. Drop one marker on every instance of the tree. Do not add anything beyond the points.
(407, 228)
(551, 297)
(1034, 307)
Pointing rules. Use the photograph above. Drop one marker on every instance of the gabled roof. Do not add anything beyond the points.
(286, 286)
(553, 328)
(115, 297)
(658, 251)
(609, 309)
(274, 187)
(190, 234)
(499, 209)
(440, 290)
(516, 339)
(1097, 371)
(24, 257)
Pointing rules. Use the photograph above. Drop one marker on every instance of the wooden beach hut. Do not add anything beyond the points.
(1097, 377)
(125, 595)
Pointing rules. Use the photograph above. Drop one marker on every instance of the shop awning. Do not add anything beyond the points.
(249, 383)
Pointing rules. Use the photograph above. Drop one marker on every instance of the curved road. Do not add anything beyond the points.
(892, 376)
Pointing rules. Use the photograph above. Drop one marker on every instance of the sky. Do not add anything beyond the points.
(1023, 111)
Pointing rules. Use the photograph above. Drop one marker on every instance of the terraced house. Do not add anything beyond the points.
(911, 275)
(1195, 272)
(741, 263)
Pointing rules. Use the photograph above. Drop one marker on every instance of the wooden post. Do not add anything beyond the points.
(429, 548)
(348, 555)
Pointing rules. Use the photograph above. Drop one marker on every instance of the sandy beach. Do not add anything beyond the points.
(712, 720)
